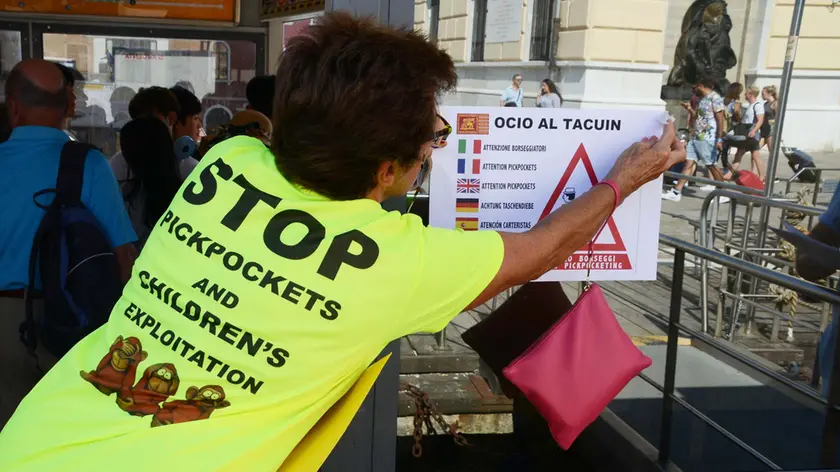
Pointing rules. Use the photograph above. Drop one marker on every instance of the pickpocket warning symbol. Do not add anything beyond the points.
(606, 255)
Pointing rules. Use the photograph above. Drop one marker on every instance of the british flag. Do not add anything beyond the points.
(468, 185)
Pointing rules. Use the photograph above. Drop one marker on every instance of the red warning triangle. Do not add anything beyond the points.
(582, 157)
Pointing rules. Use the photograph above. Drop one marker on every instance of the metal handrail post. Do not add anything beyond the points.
(724, 271)
(741, 197)
(707, 240)
(440, 337)
(736, 306)
(753, 287)
(713, 222)
(784, 92)
(667, 418)
(773, 161)
(826, 309)
(814, 197)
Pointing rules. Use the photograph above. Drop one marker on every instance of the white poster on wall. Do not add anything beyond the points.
(504, 21)
(505, 169)
(139, 68)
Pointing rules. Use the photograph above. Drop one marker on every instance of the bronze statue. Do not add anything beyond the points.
(704, 48)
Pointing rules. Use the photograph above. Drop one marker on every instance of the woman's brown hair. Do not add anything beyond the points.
(733, 92)
(350, 96)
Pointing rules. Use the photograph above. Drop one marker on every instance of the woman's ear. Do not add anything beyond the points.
(386, 175)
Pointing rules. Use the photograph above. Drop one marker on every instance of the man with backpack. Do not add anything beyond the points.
(64, 232)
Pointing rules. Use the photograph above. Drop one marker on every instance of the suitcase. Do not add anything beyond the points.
(746, 178)
(743, 178)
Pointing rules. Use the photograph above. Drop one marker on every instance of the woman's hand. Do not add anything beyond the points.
(647, 160)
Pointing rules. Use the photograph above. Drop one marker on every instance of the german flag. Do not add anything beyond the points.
(466, 205)
(466, 224)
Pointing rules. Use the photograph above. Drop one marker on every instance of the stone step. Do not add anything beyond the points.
(780, 355)
(427, 358)
(454, 394)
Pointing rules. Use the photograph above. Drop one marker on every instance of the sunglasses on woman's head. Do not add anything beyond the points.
(439, 137)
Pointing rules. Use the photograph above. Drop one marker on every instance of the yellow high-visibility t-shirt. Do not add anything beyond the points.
(253, 308)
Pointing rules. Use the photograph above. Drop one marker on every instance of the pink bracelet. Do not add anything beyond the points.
(614, 186)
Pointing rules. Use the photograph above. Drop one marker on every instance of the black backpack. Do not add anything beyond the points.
(79, 273)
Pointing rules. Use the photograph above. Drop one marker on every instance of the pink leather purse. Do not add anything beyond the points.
(574, 370)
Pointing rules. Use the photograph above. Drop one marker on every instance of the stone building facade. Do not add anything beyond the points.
(617, 53)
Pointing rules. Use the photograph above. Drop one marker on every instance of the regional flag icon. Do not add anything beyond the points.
(473, 123)
(466, 224)
(466, 205)
(468, 185)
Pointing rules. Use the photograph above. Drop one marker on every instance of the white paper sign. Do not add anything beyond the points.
(506, 168)
(504, 21)
(137, 68)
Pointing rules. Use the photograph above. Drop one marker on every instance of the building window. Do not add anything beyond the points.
(541, 32)
(479, 29)
(434, 20)
(221, 50)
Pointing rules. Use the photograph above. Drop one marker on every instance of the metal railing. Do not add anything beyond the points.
(718, 186)
(705, 241)
(817, 171)
(669, 399)
(816, 192)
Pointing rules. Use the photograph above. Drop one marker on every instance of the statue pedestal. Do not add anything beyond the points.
(601, 84)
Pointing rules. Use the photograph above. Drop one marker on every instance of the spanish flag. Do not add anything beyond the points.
(466, 224)
(466, 205)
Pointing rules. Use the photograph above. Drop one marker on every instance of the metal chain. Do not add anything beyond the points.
(424, 413)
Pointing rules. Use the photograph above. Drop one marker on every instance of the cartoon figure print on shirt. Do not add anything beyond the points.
(118, 368)
(159, 382)
(200, 403)
(116, 373)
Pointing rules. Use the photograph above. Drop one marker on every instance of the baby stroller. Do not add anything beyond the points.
(798, 160)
